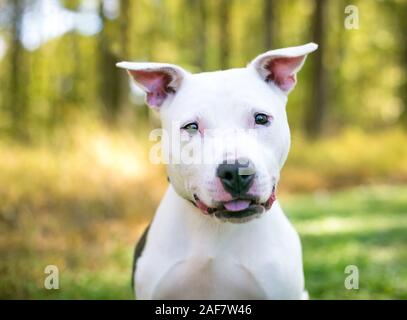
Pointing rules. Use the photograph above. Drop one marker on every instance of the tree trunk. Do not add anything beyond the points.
(403, 89)
(224, 40)
(110, 84)
(402, 17)
(268, 24)
(17, 99)
(200, 38)
(124, 29)
(315, 116)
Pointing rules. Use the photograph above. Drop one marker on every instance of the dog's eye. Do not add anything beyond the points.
(191, 127)
(261, 119)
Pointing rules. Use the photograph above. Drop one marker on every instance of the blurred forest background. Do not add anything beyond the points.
(76, 187)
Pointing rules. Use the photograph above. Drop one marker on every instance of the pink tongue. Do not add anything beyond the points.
(237, 205)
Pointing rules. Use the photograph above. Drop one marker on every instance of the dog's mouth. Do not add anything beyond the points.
(239, 209)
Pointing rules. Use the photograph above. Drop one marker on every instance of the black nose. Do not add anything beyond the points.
(237, 177)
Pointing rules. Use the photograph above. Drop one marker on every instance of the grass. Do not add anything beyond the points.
(82, 203)
(365, 227)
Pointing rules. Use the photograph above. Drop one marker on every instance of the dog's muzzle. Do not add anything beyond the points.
(237, 210)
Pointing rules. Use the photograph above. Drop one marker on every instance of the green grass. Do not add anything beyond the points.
(365, 226)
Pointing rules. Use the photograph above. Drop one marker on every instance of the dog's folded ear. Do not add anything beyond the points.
(158, 80)
(281, 66)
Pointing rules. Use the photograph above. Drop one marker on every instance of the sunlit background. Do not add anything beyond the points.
(76, 186)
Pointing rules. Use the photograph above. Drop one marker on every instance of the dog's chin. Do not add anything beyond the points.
(252, 210)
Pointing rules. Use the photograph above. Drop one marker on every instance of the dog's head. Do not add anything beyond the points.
(228, 129)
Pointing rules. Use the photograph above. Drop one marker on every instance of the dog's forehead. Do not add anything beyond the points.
(217, 82)
(226, 91)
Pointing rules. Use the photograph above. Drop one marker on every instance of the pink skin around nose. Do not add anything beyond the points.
(219, 192)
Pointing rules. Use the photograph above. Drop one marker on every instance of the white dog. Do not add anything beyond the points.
(218, 232)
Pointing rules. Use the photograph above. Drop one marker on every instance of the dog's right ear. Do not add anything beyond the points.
(158, 80)
(281, 66)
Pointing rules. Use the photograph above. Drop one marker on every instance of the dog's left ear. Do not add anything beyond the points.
(158, 80)
(281, 66)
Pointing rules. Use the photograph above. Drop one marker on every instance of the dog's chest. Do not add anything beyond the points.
(241, 268)
(200, 277)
